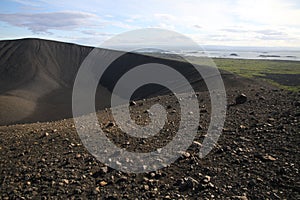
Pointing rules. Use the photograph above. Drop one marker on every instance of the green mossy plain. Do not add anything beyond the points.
(259, 68)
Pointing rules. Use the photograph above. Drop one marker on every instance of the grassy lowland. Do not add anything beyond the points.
(281, 73)
(284, 74)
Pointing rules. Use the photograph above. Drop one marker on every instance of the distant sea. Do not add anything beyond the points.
(236, 53)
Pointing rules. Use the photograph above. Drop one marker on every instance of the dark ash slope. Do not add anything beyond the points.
(37, 76)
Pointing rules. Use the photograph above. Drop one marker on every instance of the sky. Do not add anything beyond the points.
(261, 23)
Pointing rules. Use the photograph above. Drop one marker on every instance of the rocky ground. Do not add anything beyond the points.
(257, 156)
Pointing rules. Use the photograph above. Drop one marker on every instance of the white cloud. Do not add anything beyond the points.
(164, 17)
(44, 22)
(96, 33)
(268, 12)
(123, 25)
(27, 3)
(198, 26)
(221, 22)
(134, 18)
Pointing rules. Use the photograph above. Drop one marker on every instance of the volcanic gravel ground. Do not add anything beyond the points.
(257, 155)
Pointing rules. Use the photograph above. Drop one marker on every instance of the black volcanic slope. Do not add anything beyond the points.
(31, 70)
(37, 76)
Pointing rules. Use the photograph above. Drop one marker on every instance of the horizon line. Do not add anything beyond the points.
(205, 45)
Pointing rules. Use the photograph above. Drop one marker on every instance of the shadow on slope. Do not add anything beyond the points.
(37, 76)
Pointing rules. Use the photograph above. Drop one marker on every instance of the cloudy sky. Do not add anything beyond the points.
(214, 22)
